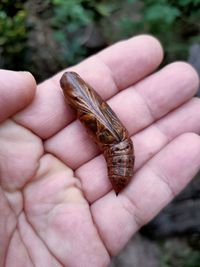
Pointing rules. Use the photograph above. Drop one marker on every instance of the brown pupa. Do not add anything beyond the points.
(104, 126)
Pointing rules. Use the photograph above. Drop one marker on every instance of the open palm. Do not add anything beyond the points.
(57, 207)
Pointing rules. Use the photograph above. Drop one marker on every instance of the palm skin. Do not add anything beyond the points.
(57, 206)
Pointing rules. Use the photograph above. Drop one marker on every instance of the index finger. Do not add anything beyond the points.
(109, 71)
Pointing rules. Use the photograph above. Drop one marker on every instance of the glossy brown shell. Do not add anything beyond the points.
(104, 126)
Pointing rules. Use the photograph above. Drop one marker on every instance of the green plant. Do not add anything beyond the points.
(71, 20)
(189, 259)
(175, 23)
(176, 252)
(12, 33)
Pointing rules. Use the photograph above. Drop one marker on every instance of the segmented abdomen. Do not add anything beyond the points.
(120, 162)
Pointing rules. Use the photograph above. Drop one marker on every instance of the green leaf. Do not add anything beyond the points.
(105, 9)
(188, 2)
(184, 2)
(161, 13)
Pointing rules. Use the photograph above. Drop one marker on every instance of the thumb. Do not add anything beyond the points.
(17, 90)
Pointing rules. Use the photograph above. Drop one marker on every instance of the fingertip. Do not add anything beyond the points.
(189, 74)
(193, 76)
(30, 84)
(191, 142)
(150, 41)
(132, 59)
(17, 90)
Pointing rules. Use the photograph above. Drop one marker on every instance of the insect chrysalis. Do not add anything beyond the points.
(104, 126)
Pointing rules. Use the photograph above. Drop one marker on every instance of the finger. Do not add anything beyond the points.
(139, 57)
(7, 226)
(118, 63)
(17, 90)
(151, 140)
(152, 188)
(137, 107)
(147, 143)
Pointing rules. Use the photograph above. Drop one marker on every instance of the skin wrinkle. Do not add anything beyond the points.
(31, 260)
(23, 240)
(38, 161)
(164, 179)
(31, 176)
(117, 89)
(27, 180)
(17, 229)
(17, 122)
(28, 126)
(55, 204)
(131, 207)
(42, 176)
(41, 239)
(53, 81)
(7, 249)
(162, 132)
(10, 205)
(12, 233)
(164, 142)
(7, 200)
(98, 231)
(151, 114)
(96, 226)
(36, 128)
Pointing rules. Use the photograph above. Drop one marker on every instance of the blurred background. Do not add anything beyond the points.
(45, 36)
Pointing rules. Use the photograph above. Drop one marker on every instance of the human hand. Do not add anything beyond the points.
(52, 216)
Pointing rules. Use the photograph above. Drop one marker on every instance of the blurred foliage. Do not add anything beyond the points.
(13, 33)
(71, 23)
(175, 23)
(188, 260)
(178, 253)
